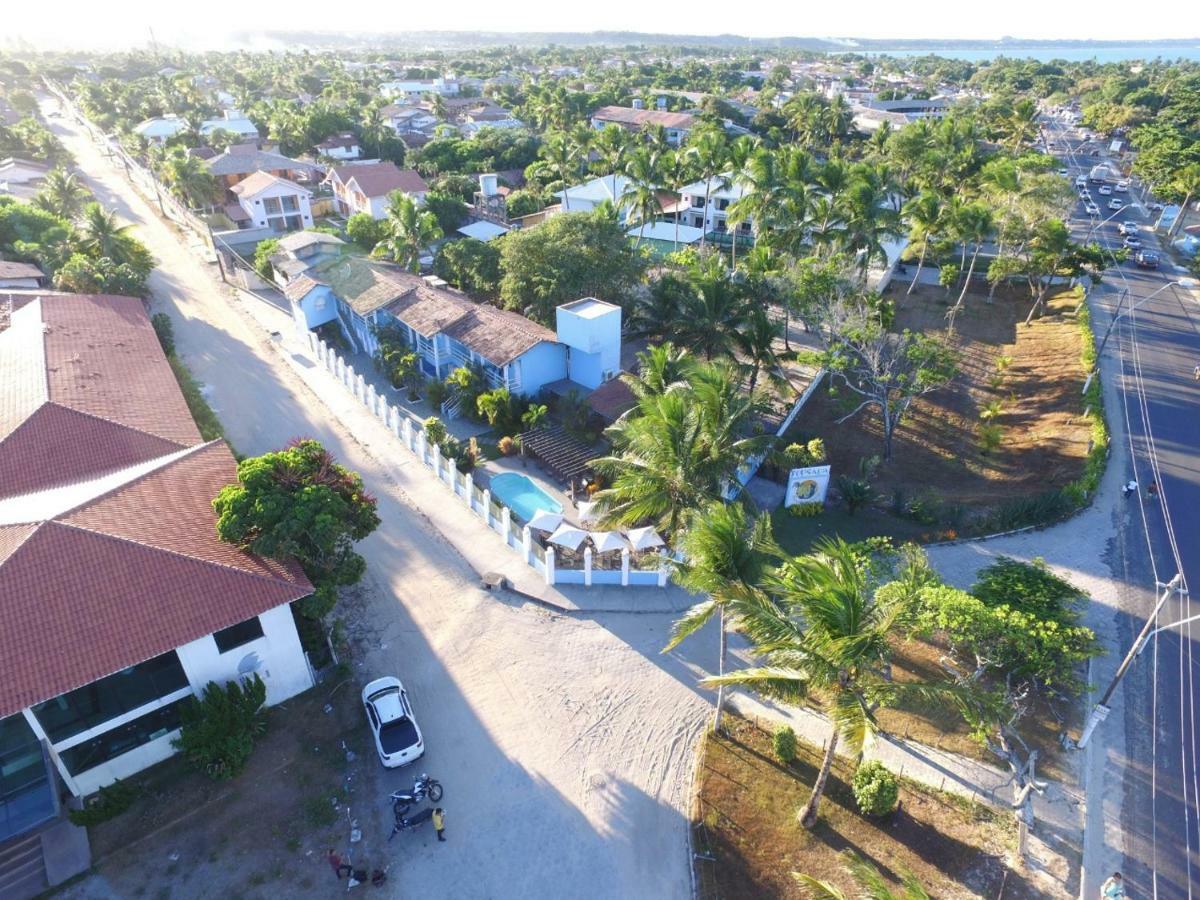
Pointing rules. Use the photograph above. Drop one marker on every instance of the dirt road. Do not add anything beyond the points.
(565, 745)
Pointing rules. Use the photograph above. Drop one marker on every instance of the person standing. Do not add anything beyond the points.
(1114, 888)
(439, 823)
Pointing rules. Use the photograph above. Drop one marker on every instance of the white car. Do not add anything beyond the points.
(1122, 186)
(397, 736)
(1081, 181)
(1091, 209)
(1115, 203)
(1129, 227)
(1105, 190)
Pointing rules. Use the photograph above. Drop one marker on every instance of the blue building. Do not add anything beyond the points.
(448, 330)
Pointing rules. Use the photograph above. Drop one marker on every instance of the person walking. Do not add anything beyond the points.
(439, 823)
(335, 863)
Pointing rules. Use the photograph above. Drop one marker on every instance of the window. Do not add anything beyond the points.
(722, 204)
(123, 738)
(106, 698)
(271, 205)
(236, 635)
(290, 204)
(697, 202)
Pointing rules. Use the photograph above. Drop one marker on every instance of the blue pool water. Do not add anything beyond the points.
(521, 495)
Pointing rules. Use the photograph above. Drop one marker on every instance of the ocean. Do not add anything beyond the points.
(1046, 54)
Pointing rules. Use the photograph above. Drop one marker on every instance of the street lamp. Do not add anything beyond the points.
(1179, 282)
(1103, 222)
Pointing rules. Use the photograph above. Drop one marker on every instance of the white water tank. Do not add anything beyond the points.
(488, 185)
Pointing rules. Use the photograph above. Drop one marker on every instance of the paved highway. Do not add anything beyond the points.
(1158, 341)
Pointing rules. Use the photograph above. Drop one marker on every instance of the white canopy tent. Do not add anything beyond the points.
(588, 515)
(544, 520)
(644, 538)
(569, 536)
(606, 541)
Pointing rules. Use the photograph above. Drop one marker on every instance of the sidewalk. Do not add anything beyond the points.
(481, 547)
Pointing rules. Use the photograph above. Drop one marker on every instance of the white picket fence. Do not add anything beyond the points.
(497, 516)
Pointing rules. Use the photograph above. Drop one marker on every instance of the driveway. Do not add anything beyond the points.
(565, 744)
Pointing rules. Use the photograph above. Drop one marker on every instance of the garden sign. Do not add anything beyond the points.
(807, 485)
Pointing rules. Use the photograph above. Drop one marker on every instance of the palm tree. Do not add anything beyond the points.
(680, 449)
(100, 233)
(640, 196)
(62, 193)
(562, 161)
(660, 368)
(871, 884)
(756, 343)
(823, 629)
(610, 146)
(410, 230)
(976, 226)
(188, 179)
(709, 154)
(740, 152)
(725, 556)
(1186, 182)
(675, 170)
(714, 311)
(924, 215)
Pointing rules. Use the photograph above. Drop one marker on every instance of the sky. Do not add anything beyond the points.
(126, 23)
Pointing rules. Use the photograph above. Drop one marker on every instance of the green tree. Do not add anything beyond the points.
(263, 251)
(62, 194)
(924, 216)
(300, 503)
(680, 449)
(188, 179)
(640, 196)
(826, 632)
(470, 265)
(410, 231)
(218, 730)
(565, 258)
(449, 210)
(365, 230)
(81, 274)
(886, 370)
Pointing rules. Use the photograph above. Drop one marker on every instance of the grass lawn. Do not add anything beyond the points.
(745, 819)
(941, 476)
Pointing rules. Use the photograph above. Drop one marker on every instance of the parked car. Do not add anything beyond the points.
(397, 736)
(1115, 203)
(1105, 189)
(1122, 186)
(1133, 242)
(1129, 227)
(1064, 172)
(1147, 259)
(1091, 209)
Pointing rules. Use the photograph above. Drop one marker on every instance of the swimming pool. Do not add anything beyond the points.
(521, 495)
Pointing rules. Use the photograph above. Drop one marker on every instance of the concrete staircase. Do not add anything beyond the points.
(22, 868)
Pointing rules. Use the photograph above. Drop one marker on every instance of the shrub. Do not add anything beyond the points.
(991, 436)
(806, 510)
(876, 790)
(262, 258)
(783, 743)
(856, 493)
(219, 729)
(507, 446)
(165, 331)
(435, 430)
(1028, 587)
(108, 802)
(435, 393)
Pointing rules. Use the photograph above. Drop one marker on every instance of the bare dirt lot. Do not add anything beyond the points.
(1029, 380)
(746, 820)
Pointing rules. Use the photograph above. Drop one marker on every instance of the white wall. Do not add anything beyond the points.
(277, 657)
(257, 212)
(594, 338)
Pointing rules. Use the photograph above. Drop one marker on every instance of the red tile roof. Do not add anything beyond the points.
(640, 118)
(124, 575)
(380, 179)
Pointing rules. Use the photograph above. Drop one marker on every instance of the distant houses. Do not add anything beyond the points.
(677, 125)
(342, 146)
(242, 160)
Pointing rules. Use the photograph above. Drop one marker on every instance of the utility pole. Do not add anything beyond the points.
(1101, 710)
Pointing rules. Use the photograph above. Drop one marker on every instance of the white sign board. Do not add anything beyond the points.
(807, 485)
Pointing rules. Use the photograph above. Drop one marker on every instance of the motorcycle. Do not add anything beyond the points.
(422, 787)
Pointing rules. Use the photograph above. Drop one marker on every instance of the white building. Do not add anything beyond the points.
(341, 146)
(268, 201)
(232, 121)
(707, 205)
(366, 187)
(587, 196)
(119, 602)
(162, 129)
(447, 87)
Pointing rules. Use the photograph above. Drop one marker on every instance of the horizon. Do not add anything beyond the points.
(73, 25)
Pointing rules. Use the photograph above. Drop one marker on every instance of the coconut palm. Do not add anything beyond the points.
(725, 557)
(755, 343)
(824, 629)
(872, 885)
(661, 367)
(675, 170)
(709, 155)
(680, 449)
(924, 215)
(188, 179)
(714, 311)
(409, 231)
(563, 162)
(100, 233)
(975, 226)
(62, 193)
(640, 196)
(611, 146)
